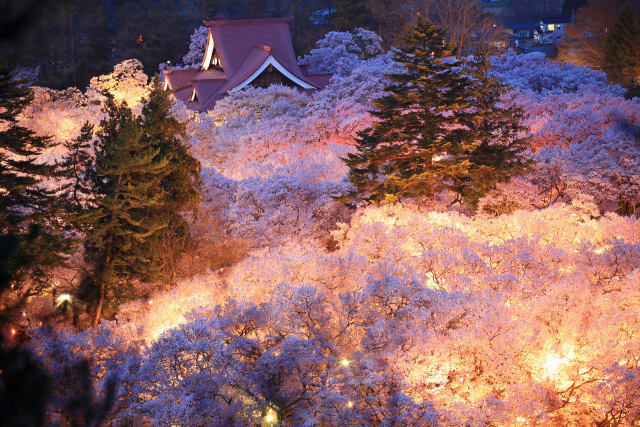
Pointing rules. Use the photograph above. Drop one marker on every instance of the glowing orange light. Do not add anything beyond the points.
(345, 362)
(552, 364)
(349, 404)
(13, 332)
(63, 299)
(271, 416)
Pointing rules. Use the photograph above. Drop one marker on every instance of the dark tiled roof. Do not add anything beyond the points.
(528, 25)
(242, 46)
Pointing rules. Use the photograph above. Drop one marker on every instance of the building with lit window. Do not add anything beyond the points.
(239, 53)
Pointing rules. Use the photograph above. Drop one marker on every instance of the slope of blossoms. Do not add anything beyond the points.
(530, 317)
(407, 314)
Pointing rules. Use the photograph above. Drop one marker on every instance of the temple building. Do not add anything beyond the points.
(256, 52)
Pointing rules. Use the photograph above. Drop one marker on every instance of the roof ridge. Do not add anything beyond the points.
(247, 21)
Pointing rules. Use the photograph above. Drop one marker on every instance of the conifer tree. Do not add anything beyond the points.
(438, 129)
(127, 211)
(399, 155)
(499, 135)
(622, 50)
(142, 181)
(29, 215)
(76, 166)
(182, 180)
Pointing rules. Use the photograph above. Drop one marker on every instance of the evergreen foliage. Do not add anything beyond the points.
(498, 133)
(29, 220)
(622, 50)
(142, 179)
(75, 166)
(181, 182)
(439, 128)
(128, 204)
(166, 133)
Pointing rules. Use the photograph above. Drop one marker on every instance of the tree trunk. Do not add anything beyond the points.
(104, 275)
(96, 318)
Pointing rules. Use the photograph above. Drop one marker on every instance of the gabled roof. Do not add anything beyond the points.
(234, 39)
(557, 20)
(522, 25)
(244, 48)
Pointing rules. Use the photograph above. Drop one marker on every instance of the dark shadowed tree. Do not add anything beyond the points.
(585, 39)
(622, 49)
(69, 41)
(391, 19)
(127, 211)
(142, 181)
(30, 215)
(152, 31)
(181, 182)
(439, 129)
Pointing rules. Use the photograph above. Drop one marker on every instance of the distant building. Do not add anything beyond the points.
(530, 22)
(535, 35)
(256, 52)
(322, 16)
(551, 24)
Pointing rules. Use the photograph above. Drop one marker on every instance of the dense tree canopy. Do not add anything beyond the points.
(30, 232)
(621, 59)
(439, 128)
(585, 40)
(290, 308)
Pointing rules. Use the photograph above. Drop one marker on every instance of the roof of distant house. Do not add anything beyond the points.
(524, 25)
(557, 20)
(237, 52)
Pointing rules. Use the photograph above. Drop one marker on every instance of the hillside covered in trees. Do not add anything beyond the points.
(432, 239)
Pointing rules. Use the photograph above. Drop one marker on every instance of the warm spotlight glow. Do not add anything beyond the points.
(349, 404)
(271, 416)
(552, 365)
(63, 299)
(345, 363)
(13, 331)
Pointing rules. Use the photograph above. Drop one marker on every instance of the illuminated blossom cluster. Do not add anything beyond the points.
(193, 57)
(340, 52)
(409, 314)
(488, 319)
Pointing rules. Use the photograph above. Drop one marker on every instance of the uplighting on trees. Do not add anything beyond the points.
(271, 416)
(63, 299)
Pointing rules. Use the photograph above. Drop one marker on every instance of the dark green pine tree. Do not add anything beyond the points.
(440, 128)
(30, 220)
(501, 150)
(408, 151)
(182, 175)
(128, 207)
(350, 14)
(76, 167)
(622, 50)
